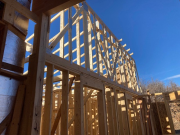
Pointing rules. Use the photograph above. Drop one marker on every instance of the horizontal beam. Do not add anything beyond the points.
(62, 64)
(52, 6)
(22, 9)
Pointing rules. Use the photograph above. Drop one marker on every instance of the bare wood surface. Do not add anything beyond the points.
(58, 117)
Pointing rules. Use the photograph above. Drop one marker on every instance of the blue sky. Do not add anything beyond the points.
(151, 29)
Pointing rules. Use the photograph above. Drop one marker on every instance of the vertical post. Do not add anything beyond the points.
(106, 50)
(14, 125)
(64, 110)
(114, 108)
(141, 116)
(59, 105)
(169, 114)
(53, 113)
(96, 122)
(94, 117)
(154, 130)
(3, 34)
(78, 107)
(100, 57)
(90, 46)
(85, 114)
(102, 112)
(110, 114)
(96, 43)
(46, 121)
(90, 116)
(127, 72)
(124, 113)
(62, 39)
(112, 50)
(137, 116)
(78, 42)
(124, 69)
(134, 76)
(70, 33)
(134, 115)
(71, 115)
(146, 118)
(85, 28)
(131, 73)
(121, 124)
(119, 66)
(31, 117)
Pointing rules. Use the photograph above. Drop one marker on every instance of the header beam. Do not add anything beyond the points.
(50, 7)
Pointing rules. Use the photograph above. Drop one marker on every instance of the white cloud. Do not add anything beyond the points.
(172, 77)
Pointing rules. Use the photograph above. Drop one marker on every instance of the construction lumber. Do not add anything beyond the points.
(102, 113)
(4, 124)
(106, 61)
(61, 63)
(124, 111)
(169, 114)
(110, 113)
(115, 111)
(3, 34)
(30, 123)
(53, 6)
(64, 106)
(15, 122)
(11, 6)
(78, 107)
(92, 75)
(57, 119)
(46, 124)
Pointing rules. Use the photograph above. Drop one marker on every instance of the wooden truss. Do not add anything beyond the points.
(95, 47)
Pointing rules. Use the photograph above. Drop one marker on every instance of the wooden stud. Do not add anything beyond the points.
(85, 114)
(85, 28)
(102, 113)
(124, 113)
(136, 109)
(14, 125)
(8, 14)
(53, 7)
(78, 41)
(90, 116)
(46, 120)
(62, 39)
(16, 6)
(64, 106)
(97, 49)
(110, 113)
(31, 117)
(114, 109)
(169, 114)
(121, 124)
(105, 47)
(56, 121)
(78, 107)
(5, 122)
(3, 34)
(90, 46)
(70, 33)
(36, 76)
